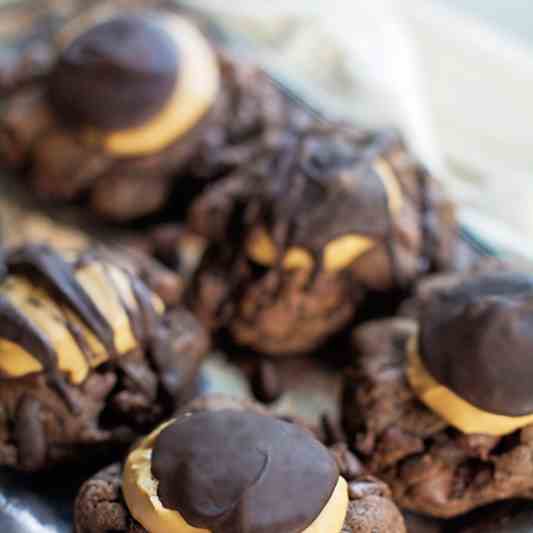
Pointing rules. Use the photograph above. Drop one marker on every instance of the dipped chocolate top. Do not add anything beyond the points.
(134, 83)
(328, 198)
(231, 471)
(476, 341)
(64, 315)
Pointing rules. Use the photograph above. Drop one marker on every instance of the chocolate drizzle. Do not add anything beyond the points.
(477, 339)
(144, 322)
(3, 265)
(116, 75)
(321, 186)
(59, 275)
(330, 190)
(428, 245)
(44, 266)
(240, 472)
(16, 328)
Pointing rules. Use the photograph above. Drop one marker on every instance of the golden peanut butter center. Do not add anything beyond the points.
(139, 488)
(109, 289)
(457, 412)
(338, 254)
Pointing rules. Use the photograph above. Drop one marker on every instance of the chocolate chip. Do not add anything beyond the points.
(265, 382)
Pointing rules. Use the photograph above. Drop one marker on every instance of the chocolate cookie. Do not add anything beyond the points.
(291, 481)
(299, 238)
(166, 257)
(514, 516)
(90, 359)
(440, 407)
(191, 110)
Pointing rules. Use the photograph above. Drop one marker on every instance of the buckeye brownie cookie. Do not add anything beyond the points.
(441, 407)
(89, 359)
(299, 238)
(515, 516)
(133, 95)
(230, 468)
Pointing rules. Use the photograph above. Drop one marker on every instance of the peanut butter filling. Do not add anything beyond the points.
(338, 254)
(140, 488)
(451, 407)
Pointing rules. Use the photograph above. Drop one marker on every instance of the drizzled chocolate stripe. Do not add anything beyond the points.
(144, 321)
(15, 327)
(60, 275)
(145, 324)
(332, 175)
(427, 252)
(3, 265)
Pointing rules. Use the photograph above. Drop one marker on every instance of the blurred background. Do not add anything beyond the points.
(456, 76)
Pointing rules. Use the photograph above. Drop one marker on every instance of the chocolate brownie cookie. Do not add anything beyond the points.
(416, 523)
(514, 516)
(192, 110)
(218, 448)
(89, 357)
(166, 257)
(441, 407)
(300, 237)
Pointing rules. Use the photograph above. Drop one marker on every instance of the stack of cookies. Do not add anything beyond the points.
(289, 242)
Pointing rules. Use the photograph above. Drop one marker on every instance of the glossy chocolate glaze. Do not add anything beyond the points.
(231, 471)
(116, 75)
(477, 340)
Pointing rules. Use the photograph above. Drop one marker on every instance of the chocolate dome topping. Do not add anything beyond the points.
(477, 340)
(116, 75)
(231, 471)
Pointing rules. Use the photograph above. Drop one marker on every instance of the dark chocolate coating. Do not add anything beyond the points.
(477, 340)
(116, 75)
(240, 472)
